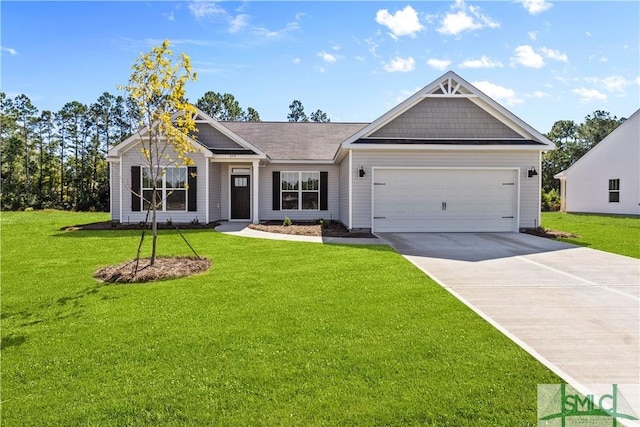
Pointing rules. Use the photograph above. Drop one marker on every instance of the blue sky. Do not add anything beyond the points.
(544, 61)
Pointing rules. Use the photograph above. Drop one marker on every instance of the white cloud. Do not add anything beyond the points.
(483, 62)
(296, 60)
(554, 54)
(336, 47)
(638, 81)
(497, 92)
(239, 23)
(533, 35)
(202, 9)
(327, 57)
(536, 6)
(372, 47)
(588, 95)
(398, 64)
(527, 57)
(10, 50)
(467, 18)
(538, 94)
(276, 34)
(438, 64)
(169, 16)
(614, 84)
(404, 22)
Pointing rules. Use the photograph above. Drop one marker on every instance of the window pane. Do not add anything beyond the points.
(176, 177)
(614, 184)
(177, 200)
(310, 201)
(289, 200)
(310, 180)
(240, 182)
(146, 202)
(289, 181)
(614, 196)
(146, 178)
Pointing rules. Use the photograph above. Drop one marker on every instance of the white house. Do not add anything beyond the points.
(449, 158)
(606, 179)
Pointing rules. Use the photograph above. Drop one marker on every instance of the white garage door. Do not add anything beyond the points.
(447, 200)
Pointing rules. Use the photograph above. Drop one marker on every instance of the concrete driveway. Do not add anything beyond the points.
(575, 309)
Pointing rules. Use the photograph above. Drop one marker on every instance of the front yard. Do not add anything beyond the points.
(276, 333)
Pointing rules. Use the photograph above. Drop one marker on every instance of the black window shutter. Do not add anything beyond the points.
(192, 182)
(135, 188)
(276, 191)
(324, 190)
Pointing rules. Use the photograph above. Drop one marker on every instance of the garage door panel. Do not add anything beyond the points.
(445, 200)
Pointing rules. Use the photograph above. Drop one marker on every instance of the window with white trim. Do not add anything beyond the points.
(300, 191)
(614, 191)
(171, 189)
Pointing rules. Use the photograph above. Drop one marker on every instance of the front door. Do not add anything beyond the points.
(240, 197)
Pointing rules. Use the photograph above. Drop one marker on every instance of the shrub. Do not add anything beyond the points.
(287, 221)
(550, 201)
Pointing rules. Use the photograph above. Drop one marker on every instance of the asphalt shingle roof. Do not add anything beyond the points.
(295, 140)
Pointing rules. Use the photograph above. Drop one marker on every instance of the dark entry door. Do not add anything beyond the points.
(240, 197)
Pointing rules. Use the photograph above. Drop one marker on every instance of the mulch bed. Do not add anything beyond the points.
(550, 234)
(109, 225)
(331, 229)
(164, 268)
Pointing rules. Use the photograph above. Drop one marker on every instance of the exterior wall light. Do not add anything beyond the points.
(532, 172)
(361, 172)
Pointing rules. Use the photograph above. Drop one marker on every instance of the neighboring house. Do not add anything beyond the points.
(606, 179)
(449, 158)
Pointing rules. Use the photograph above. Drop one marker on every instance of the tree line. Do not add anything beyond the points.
(57, 159)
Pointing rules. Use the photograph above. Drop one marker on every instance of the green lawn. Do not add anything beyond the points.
(277, 333)
(617, 234)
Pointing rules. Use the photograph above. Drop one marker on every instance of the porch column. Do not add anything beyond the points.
(256, 191)
(207, 194)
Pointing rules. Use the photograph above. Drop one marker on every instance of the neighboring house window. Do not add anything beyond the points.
(300, 190)
(171, 189)
(614, 191)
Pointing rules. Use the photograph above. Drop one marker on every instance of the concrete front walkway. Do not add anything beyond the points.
(242, 229)
(575, 309)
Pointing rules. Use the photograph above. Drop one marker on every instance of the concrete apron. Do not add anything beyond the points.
(576, 310)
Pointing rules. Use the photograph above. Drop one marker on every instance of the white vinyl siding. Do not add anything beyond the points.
(529, 201)
(215, 191)
(266, 198)
(133, 157)
(114, 193)
(344, 191)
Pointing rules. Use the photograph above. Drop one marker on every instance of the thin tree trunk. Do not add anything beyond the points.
(154, 224)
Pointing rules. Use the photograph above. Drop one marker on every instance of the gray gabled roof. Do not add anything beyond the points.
(295, 140)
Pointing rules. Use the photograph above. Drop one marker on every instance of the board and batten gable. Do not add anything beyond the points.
(445, 118)
(529, 188)
(133, 157)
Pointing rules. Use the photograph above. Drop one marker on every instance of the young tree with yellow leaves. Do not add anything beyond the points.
(157, 86)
